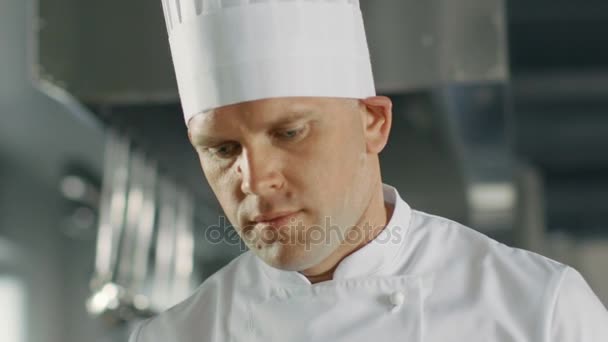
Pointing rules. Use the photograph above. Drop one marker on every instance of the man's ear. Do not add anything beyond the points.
(190, 136)
(378, 118)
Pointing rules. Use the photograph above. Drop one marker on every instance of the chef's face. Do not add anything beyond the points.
(293, 175)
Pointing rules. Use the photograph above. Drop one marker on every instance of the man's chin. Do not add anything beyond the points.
(287, 260)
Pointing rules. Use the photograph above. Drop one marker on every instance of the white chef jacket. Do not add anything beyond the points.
(424, 278)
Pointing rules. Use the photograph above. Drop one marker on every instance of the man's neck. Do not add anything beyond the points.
(376, 217)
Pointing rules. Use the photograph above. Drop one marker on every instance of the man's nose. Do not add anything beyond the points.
(260, 172)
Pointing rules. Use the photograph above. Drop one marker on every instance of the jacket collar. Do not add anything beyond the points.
(373, 259)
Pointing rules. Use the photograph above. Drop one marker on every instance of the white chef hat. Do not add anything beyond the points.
(231, 51)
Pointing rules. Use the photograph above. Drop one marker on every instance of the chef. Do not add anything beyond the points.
(279, 100)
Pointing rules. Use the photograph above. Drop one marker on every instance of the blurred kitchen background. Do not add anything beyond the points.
(500, 123)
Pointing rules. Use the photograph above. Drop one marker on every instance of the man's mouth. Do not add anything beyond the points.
(276, 220)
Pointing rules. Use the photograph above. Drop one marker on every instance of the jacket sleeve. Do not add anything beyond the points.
(578, 314)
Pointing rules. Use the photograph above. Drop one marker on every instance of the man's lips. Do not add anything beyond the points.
(276, 220)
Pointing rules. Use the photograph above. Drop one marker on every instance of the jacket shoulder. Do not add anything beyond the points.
(451, 245)
(197, 313)
(550, 300)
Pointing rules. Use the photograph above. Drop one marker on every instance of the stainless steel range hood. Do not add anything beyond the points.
(116, 52)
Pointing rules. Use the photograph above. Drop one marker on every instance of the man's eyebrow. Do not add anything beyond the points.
(206, 140)
(286, 119)
(292, 116)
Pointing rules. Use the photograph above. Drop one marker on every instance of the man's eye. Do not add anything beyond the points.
(225, 150)
(290, 134)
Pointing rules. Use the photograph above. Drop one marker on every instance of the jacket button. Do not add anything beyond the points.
(397, 298)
